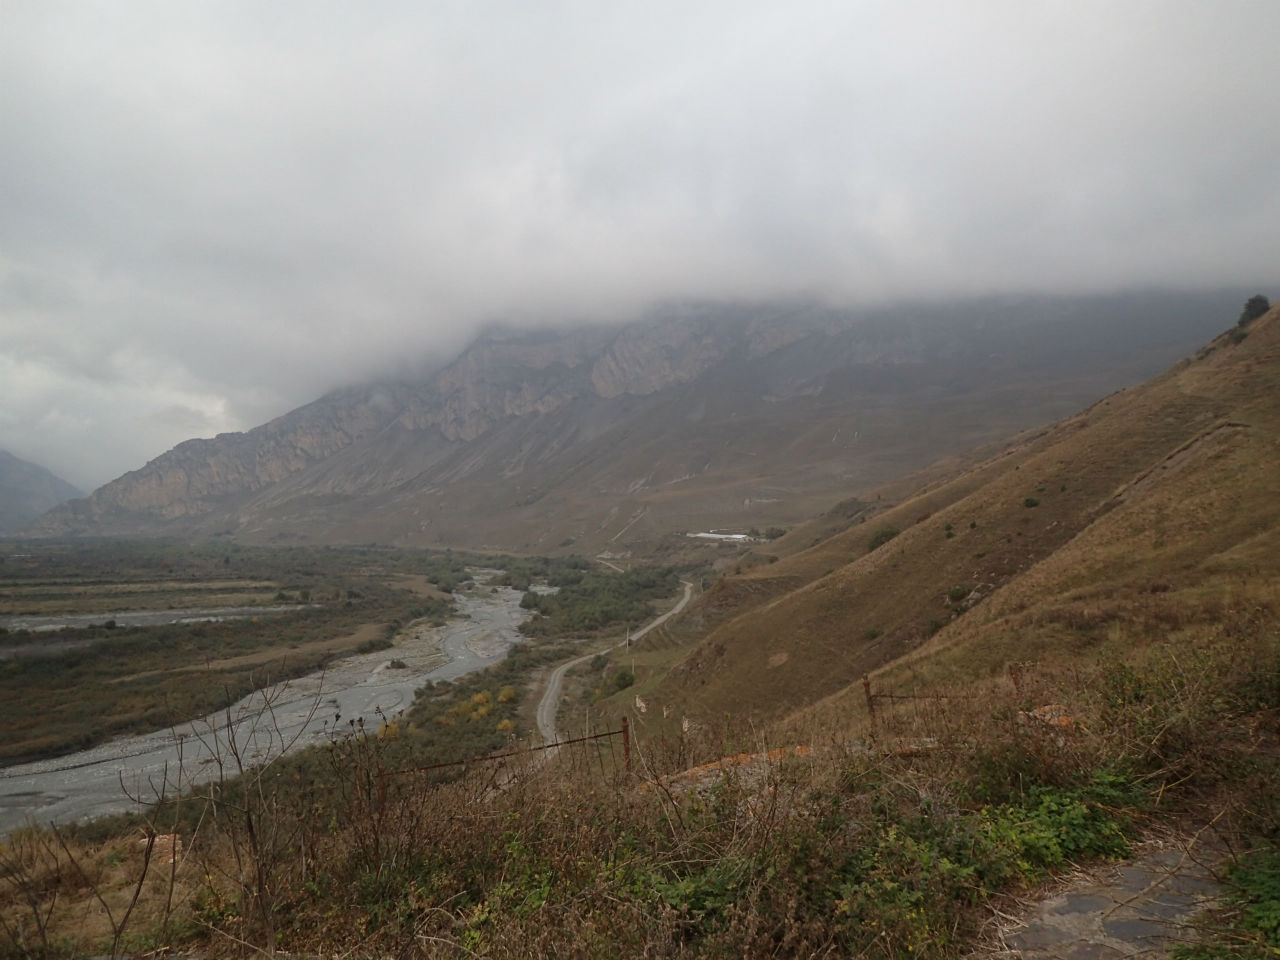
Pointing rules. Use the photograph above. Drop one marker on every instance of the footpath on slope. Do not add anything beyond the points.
(550, 702)
(1138, 907)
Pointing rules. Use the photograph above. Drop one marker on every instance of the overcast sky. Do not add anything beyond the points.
(212, 212)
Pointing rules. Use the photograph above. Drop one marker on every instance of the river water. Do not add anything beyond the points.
(129, 773)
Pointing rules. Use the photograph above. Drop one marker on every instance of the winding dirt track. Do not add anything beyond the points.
(550, 701)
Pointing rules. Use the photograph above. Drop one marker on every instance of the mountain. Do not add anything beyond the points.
(695, 417)
(27, 490)
(1151, 516)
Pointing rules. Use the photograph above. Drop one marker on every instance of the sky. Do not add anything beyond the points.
(213, 212)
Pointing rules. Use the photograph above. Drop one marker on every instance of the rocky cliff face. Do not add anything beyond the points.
(196, 477)
(699, 417)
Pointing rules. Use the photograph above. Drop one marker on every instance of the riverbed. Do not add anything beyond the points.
(129, 773)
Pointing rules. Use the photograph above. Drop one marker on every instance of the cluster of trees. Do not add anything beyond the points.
(589, 601)
(444, 570)
(520, 572)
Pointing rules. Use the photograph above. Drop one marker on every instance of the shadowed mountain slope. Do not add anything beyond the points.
(27, 490)
(1152, 514)
(700, 417)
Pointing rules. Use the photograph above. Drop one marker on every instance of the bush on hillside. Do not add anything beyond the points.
(1254, 307)
(881, 537)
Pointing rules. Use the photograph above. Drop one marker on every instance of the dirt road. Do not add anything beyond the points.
(550, 702)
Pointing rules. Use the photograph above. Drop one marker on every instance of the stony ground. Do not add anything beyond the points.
(1139, 907)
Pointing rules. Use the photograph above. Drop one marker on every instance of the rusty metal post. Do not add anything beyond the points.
(871, 700)
(626, 744)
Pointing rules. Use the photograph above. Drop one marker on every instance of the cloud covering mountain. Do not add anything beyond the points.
(210, 214)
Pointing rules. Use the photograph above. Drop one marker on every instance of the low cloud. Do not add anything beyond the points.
(212, 213)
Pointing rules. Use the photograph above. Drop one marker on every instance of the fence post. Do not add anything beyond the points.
(871, 700)
(626, 744)
(1015, 677)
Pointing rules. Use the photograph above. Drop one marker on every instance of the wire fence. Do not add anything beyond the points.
(873, 697)
(623, 731)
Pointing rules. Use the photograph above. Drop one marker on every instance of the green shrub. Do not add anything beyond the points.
(1254, 307)
(1250, 927)
(1031, 502)
(902, 887)
(881, 537)
(1257, 886)
(591, 600)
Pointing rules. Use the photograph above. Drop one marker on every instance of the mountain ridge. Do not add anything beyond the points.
(27, 490)
(699, 416)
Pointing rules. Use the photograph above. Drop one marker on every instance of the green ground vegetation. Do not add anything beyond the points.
(590, 601)
(1247, 925)
(481, 712)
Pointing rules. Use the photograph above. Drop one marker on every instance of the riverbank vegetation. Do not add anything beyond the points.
(480, 713)
(589, 602)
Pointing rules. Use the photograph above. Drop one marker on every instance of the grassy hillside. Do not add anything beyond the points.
(1156, 505)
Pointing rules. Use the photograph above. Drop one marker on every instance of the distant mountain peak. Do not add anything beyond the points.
(27, 490)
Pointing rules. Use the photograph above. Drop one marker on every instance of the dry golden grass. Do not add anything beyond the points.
(1148, 504)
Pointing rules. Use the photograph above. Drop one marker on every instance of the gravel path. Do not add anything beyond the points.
(549, 705)
(1140, 907)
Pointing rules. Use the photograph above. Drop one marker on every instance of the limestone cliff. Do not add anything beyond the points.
(198, 476)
